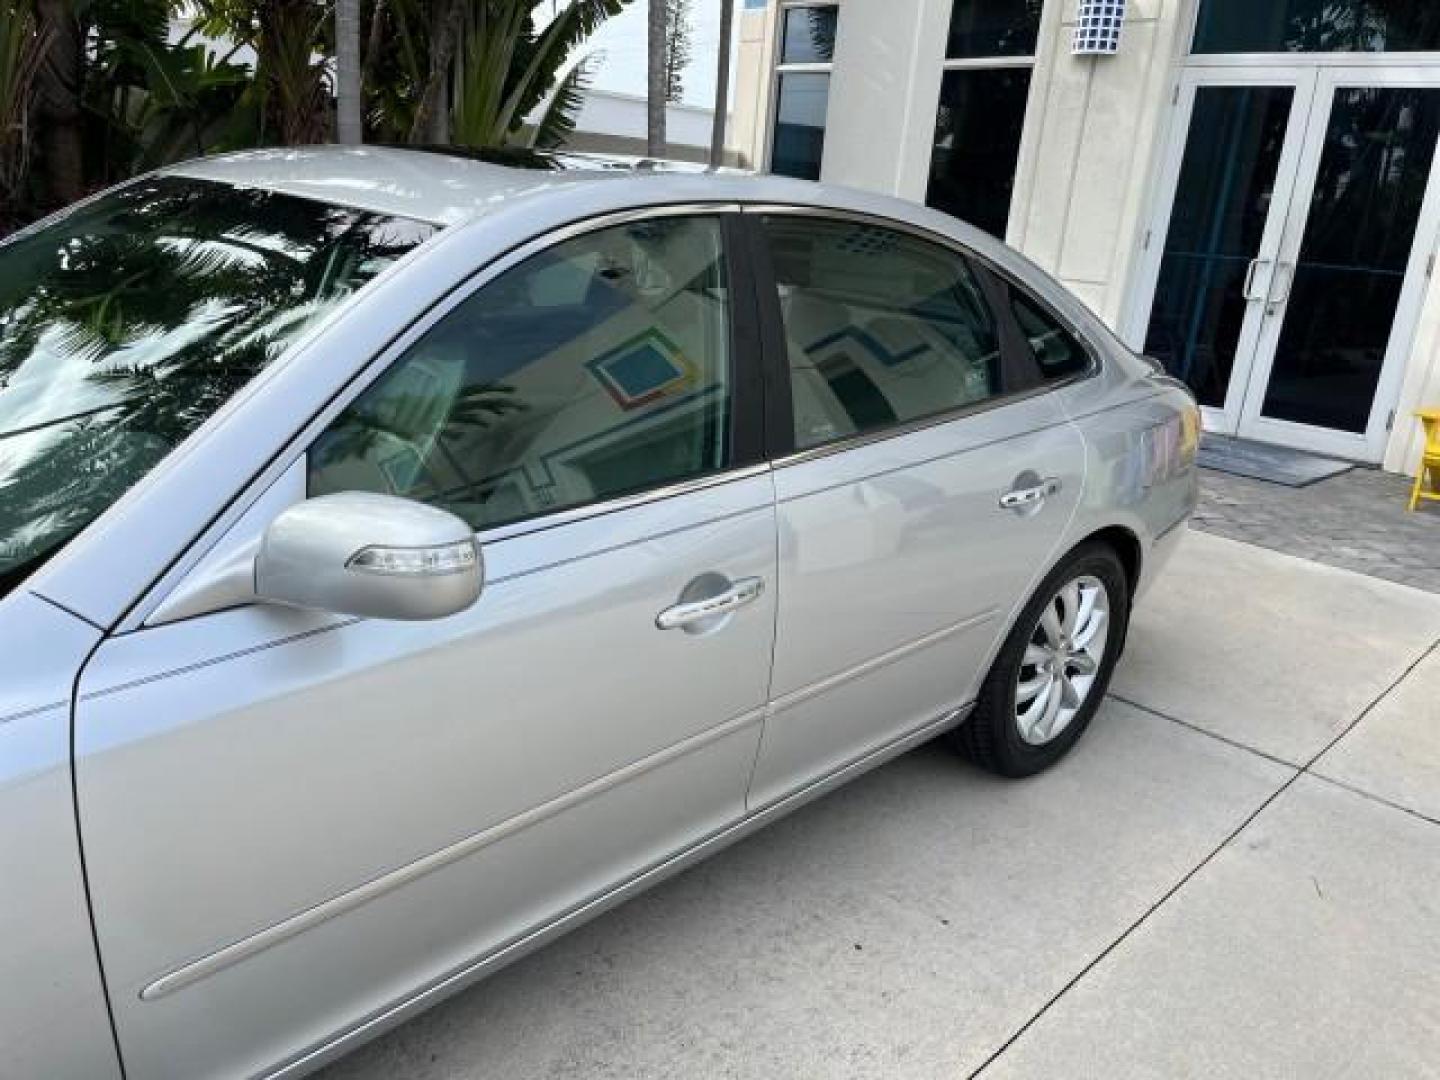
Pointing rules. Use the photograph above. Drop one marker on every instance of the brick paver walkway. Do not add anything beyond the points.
(1357, 521)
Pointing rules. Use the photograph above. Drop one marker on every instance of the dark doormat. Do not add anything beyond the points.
(1262, 461)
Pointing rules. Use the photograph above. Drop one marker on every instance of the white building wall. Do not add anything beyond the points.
(1421, 387)
(1093, 131)
(755, 82)
(753, 64)
(883, 95)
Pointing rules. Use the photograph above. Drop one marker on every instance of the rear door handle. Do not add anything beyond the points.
(1021, 498)
(745, 591)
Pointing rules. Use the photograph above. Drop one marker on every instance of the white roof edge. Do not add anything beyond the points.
(428, 185)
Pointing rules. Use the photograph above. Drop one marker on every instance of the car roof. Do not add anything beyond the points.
(440, 185)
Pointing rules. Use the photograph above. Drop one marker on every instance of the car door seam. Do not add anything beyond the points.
(885, 659)
(73, 717)
(774, 642)
(592, 905)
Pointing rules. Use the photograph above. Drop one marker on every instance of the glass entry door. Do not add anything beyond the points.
(1291, 255)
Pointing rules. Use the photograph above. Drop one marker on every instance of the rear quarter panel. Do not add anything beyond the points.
(1141, 433)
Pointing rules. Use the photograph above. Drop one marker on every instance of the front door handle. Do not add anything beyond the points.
(688, 613)
(1022, 498)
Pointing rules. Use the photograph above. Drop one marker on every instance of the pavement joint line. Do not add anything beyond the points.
(1185, 878)
(1390, 803)
(1409, 670)
(1236, 743)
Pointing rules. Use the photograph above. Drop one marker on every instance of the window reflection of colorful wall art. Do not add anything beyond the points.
(877, 349)
(648, 367)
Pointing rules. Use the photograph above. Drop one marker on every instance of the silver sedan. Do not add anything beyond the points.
(404, 557)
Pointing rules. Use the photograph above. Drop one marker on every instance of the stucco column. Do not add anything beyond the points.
(883, 95)
(1093, 130)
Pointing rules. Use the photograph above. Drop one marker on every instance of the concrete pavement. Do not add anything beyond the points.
(1237, 873)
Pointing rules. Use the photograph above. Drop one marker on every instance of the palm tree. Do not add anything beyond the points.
(722, 85)
(655, 83)
(507, 69)
(22, 49)
(59, 112)
(444, 35)
(678, 48)
(349, 127)
(289, 98)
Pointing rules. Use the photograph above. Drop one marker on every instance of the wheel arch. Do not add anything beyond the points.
(1125, 543)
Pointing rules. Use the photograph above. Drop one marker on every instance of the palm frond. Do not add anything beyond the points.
(573, 26)
(23, 44)
(557, 122)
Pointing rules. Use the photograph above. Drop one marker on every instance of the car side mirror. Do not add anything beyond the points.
(357, 553)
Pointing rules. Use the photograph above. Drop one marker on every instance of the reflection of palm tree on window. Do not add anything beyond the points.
(124, 329)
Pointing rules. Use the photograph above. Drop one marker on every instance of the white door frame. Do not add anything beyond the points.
(1369, 445)
(1315, 79)
(1225, 418)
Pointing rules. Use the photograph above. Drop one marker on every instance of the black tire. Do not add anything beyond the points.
(991, 736)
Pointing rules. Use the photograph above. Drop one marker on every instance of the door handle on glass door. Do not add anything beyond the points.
(1023, 498)
(742, 592)
(1245, 289)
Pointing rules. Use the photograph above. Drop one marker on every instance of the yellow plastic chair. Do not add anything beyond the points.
(1427, 480)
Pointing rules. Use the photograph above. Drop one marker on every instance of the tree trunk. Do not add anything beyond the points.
(443, 41)
(439, 133)
(655, 82)
(58, 111)
(373, 44)
(349, 125)
(722, 85)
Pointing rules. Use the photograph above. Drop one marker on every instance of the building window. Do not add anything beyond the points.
(989, 57)
(1243, 26)
(802, 88)
(983, 28)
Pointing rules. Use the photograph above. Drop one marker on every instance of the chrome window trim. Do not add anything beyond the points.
(300, 442)
(959, 412)
(557, 518)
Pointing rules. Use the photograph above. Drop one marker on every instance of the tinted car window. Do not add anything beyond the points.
(125, 324)
(1057, 352)
(880, 327)
(598, 368)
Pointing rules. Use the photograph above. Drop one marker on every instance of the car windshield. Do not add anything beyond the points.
(129, 322)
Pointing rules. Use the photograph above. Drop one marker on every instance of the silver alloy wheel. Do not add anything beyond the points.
(1062, 659)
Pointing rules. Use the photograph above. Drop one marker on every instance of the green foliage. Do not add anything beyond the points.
(152, 102)
(167, 80)
(679, 49)
(508, 69)
(22, 47)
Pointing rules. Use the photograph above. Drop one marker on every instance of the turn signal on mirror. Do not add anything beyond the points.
(416, 562)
